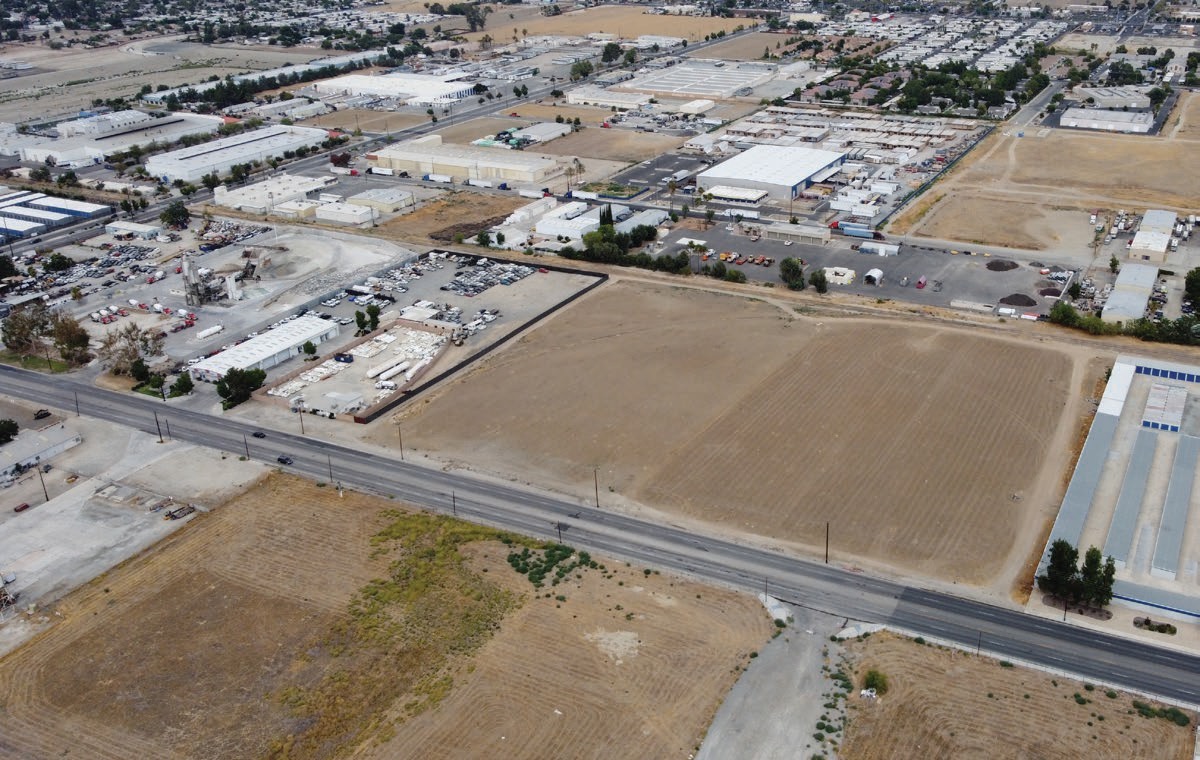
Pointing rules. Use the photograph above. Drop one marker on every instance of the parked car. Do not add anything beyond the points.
(20, 507)
(41, 414)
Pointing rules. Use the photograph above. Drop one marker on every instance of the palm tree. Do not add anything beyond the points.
(672, 186)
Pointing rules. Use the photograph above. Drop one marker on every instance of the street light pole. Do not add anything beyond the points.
(41, 478)
(160, 438)
(596, 482)
(246, 442)
(400, 433)
(167, 422)
(454, 503)
(329, 461)
(301, 413)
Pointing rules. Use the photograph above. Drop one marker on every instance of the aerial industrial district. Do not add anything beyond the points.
(540, 380)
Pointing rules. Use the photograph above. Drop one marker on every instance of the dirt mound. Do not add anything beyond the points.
(1001, 265)
(1018, 299)
(1055, 292)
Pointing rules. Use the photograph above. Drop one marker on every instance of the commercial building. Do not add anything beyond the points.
(90, 141)
(42, 216)
(143, 231)
(19, 228)
(267, 350)
(411, 89)
(1131, 292)
(217, 157)
(1113, 98)
(589, 95)
(386, 200)
(296, 209)
(811, 234)
(782, 172)
(1132, 122)
(704, 79)
(651, 217)
(33, 447)
(428, 155)
(345, 213)
(544, 131)
(261, 197)
(1153, 237)
(75, 208)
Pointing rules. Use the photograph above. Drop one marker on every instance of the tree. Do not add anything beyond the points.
(612, 51)
(1113, 264)
(1075, 291)
(8, 430)
(57, 263)
(1064, 314)
(579, 70)
(709, 215)
(484, 238)
(120, 348)
(818, 280)
(373, 317)
(40, 174)
(310, 348)
(138, 370)
(630, 57)
(238, 384)
(1191, 285)
(7, 267)
(1091, 577)
(70, 338)
(791, 271)
(176, 215)
(23, 330)
(1061, 569)
(360, 321)
(210, 181)
(182, 386)
(340, 159)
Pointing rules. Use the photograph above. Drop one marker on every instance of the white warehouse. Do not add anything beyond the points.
(267, 350)
(782, 172)
(218, 156)
(413, 89)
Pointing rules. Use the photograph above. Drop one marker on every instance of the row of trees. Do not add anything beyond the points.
(791, 271)
(34, 330)
(1065, 579)
(1183, 331)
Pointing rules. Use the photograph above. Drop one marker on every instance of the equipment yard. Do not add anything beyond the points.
(744, 414)
(234, 637)
(944, 703)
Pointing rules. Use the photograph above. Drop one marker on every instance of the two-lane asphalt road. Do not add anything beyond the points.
(1005, 632)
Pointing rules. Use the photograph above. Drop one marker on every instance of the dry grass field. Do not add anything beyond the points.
(587, 115)
(622, 20)
(613, 144)
(474, 129)
(950, 704)
(748, 47)
(368, 121)
(1013, 190)
(927, 448)
(1185, 122)
(293, 623)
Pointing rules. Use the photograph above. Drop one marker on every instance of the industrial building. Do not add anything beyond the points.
(32, 447)
(782, 172)
(386, 200)
(345, 213)
(544, 131)
(1113, 98)
(191, 164)
(600, 97)
(267, 350)
(261, 197)
(296, 209)
(411, 89)
(428, 155)
(19, 228)
(1153, 237)
(1131, 292)
(810, 234)
(1131, 122)
(85, 142)
(75, 208)
(143, 231)
(703, 79)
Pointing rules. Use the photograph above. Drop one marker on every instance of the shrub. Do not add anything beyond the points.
(877, 681)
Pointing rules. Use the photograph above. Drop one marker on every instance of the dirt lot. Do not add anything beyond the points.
(741, 425)
(1020, 177)
(1185, 122)
(456, 207)
(950, 704)
(473, 129)
(748, 47)
(234, 638)
(613, 144)
(367, 121)
(587, 115)
(626, 21)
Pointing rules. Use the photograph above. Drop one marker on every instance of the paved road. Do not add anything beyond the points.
(1003, 631)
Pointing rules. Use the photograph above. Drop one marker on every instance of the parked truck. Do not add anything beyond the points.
(530, 193)
(478, 182)
(857, 230)
(381, 170)
(344, 170)
(438, 178)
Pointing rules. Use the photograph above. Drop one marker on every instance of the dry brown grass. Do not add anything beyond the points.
(626, 21)
(612, 144)
(455, 207)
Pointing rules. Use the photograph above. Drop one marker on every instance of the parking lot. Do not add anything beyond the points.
(964, 278)
(655, 172)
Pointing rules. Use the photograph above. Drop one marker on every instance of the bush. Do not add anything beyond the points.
(877, 681)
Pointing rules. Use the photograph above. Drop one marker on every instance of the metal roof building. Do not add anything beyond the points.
(261, 197)
(1133, 122)
(190, 164)
(428, 155)
(782, 171)
(413, 89)
(1133, 288)
(1153, 236)
(266, 350)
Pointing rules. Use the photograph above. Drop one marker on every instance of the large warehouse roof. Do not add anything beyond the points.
(420, 88)
(431, 148)
(772, 164)
(262, 347)
(1154, 233)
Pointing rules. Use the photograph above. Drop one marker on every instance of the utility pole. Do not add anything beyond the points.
(400, 433)
(76, 403)
(826, 543)
(43, 479)
(329, 460)
(160, 438)
(454, 503)
(167, 422)
(246, 442)
(596, 482)
(979, 644)
(301, 413)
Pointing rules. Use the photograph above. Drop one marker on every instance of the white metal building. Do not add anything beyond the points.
(384, 199)
(1133, 122)
(33, 447)
(1132, 290)
(1114, 97)
(812, 234)
(267, 350)
(1153, 236)
(143, 231)
(18, 228)
(190, 164)
(261, 197)
(428, 155)
(81, 148)
(783, 172)
(345, 213)
(413, 89)
(589, 95)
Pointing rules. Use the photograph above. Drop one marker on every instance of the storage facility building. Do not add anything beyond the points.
(1131, 292)
(386, 200)
(143, 231)
(267, 350)
(19, 228)
(412, 89)
(216, 157)
(261, 197)
(1153, 237)
(783, 172)
(345, 213)
(428, 155)
(72, 207)
(1133, 122)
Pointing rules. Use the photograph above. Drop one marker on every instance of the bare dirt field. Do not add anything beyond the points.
(738, 413)
(587, 115)
(474, 129)
(1185, 122)
(613, 144)
(1031, 180)
(368, 121)
(950, 704)
(272, 627)
(748, 47)
(625, 21)
(456, 207)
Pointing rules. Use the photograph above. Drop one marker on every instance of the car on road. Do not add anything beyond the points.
(284, 459)
(920, 283)
(41, 414)
(259, 434)
(21, 507)
(788, 242)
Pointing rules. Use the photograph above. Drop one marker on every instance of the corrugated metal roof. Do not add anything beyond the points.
(1129, 503)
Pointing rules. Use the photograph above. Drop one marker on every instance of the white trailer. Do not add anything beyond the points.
(879, 249)
(530, 193)
(381, 170)
(386, 374)
(208, 332)
(478, 182)
(379, 369)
